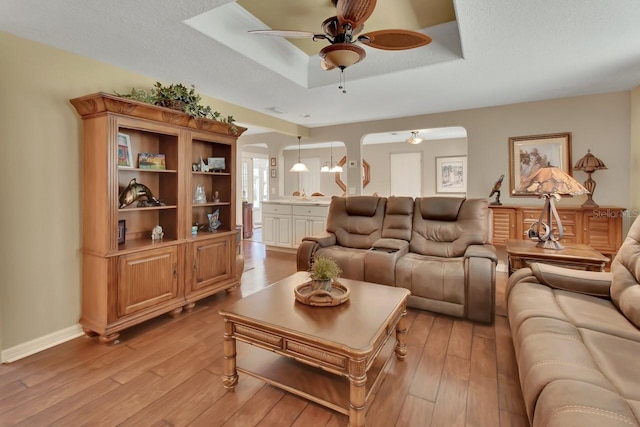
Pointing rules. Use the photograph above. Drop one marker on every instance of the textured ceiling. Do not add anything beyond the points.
(496, 52)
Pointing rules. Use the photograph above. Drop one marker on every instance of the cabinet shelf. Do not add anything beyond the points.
(149, 208)
(212, 173)
(197, 205)
(136, 245)
(126, 169)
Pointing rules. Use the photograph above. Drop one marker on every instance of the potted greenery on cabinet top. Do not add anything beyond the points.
(178, 97)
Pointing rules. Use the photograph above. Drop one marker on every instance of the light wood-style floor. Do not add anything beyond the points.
(167, 372)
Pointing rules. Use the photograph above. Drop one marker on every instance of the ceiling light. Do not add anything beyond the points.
(414, 138)
(330, 166)
(299, 167)
(342, 55)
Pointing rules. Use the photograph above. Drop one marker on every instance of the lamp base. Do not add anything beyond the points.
(550, 244)
(589, 203)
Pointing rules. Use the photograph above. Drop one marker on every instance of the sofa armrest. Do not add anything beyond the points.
(308, 248)
(585, 282)
(480, 265)
(323, 240)
(482, 251)
(390, 245)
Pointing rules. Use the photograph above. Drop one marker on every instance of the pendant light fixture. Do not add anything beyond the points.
(414, 138)
(330, 166)
(299, 167)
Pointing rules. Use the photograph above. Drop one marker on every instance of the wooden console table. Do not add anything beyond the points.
(578, 256)
(599, 228)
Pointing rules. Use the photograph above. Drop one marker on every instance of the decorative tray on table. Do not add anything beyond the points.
(339, 293)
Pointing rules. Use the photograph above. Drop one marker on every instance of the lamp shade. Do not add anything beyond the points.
(551, 180)
(589, 163)
(414, 138)
(299, 166)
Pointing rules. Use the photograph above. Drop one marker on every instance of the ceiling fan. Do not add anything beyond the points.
(342, 32)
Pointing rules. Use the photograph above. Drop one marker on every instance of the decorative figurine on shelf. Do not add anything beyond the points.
(133, 192)
(204, 167)
(214, 220)
(195, 167)
(216, 197)
(496, 191)
(157, 234)
(199, 196)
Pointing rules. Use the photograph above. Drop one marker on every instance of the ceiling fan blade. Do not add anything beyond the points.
(355, 12)
(290, 34)
(395, 39)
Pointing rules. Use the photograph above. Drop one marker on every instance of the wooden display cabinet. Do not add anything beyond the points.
(126, 283)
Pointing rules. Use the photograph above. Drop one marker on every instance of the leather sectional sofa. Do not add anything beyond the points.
(436, 247)
(577, 341)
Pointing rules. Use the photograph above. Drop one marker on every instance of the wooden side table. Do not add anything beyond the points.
(578, 256)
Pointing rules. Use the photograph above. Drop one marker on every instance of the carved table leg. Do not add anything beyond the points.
(401, 335)
(357, 392)
(230, 375)
(109, 339)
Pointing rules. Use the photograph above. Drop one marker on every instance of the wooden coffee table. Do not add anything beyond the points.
(521, 253)
(333, 356)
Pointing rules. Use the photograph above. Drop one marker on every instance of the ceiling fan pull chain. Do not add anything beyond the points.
(343, 81)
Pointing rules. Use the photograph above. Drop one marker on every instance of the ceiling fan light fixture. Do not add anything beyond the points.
(342, 55)
(414, 138)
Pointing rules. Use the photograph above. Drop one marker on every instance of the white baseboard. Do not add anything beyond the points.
(36, 345)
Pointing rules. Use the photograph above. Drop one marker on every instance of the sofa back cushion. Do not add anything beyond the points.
(625, 286)
(446, 226)
(398, 218)
(356, 221)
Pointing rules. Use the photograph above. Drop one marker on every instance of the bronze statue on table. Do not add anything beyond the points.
(496, 190)
(133, 192)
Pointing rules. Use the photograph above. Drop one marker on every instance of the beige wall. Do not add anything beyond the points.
(40, 170)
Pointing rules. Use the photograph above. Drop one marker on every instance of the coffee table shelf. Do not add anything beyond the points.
(312, 383)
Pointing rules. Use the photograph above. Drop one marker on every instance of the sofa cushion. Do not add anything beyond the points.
(356, 221)
(625, 286)
(350, 260)
(398, 218)
(431, 277)
(361, 205)
(440, 208)
(448, 238)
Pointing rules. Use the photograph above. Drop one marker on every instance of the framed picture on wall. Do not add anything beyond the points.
(273, 162)
(527, 154)
(451, 174)
(274, 173)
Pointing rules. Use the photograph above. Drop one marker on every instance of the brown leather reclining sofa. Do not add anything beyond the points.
(436, 247)
(576, 336)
